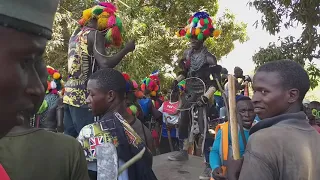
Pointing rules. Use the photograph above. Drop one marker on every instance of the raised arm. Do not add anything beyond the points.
(97, 41)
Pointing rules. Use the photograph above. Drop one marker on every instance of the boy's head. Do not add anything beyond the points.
(279, 88)
(107, 88)
(312, 110)
(246, 111)
(23, 74)
(238, 72)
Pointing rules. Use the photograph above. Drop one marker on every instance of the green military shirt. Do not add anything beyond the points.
(37, 154)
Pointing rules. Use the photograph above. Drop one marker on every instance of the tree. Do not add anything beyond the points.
(289, 13)
(152, 24)
(287, 50)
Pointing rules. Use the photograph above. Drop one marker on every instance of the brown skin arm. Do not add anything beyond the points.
(99, 51)
(211, 60)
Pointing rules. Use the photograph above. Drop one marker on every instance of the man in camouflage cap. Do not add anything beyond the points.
(29, 153)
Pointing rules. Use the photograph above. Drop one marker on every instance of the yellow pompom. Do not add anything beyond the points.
(153, 93)
(198, 30)
(177, 34)
(188, 32)
(102, 23)
(56, 75)
(86, 14)
(104, 15)
(216, 33)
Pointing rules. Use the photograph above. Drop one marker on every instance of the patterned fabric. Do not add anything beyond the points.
(114, 129)
(80, 66)
(107, 130)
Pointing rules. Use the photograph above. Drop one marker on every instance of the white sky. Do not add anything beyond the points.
(242, 54)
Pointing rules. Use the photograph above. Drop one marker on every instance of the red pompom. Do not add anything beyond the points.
(206, 32)
(210, 26)
(210, 20)
(82, 22)
(116, 36)
(50, 71)
(190, 19)
(126, 76)
(202, 22)
(193, 31)
(143, 87)
(182, 32)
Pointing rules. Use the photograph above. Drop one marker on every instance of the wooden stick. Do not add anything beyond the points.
(131, 161)
(233, 117)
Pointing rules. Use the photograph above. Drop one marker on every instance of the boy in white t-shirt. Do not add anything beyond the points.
(171, 115)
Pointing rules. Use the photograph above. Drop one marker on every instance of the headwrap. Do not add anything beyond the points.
(107, 21)
(34, 17)
(199, 26)
(54, 81)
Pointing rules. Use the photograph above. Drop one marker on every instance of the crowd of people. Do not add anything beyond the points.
(51, 129)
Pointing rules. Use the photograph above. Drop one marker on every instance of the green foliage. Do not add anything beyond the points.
(152, 24)
(287, 50)
(290, 13)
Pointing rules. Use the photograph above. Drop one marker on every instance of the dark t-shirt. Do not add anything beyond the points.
(37, 154)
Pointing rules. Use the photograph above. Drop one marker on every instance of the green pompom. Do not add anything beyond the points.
(195, 20)
(147, 81)
(97, 10)
(119, 24)
(206, 21)
(205, 27)
(188, 36)
(108, 36)
(200, 36)
(134, 109)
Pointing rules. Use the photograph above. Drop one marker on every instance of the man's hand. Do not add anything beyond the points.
(203, 100)
(217, 174)
(234, 168)
(130, 46)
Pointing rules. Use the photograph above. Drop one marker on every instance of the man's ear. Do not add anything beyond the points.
(293, 95)
(111, 95)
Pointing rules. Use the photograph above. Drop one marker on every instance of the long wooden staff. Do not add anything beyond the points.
(233, 117)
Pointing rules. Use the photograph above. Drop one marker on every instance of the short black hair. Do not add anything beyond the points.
(110, 79)
(243, 98)
(224, 71)
(292, 74)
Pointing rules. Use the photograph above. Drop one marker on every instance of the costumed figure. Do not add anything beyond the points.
(201, 73)
(100, 29)
(150, 104)
(50, 114)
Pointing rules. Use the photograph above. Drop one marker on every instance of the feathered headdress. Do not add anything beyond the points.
(105, 13)
(54, 81)
(199, 26)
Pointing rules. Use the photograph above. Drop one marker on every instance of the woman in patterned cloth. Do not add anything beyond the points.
(50, 114)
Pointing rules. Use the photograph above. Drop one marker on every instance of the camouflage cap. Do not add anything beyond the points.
(32, 16)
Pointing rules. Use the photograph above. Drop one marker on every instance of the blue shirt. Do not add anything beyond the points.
(215, 154)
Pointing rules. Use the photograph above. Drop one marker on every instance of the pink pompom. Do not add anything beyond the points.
(116, 36)
(134, 84)
(110, 8)
(111, 21)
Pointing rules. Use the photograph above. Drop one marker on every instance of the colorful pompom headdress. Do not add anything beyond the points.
(54, 81)
(199, 26)
(149, 86)
(107, 21)
(133, 93)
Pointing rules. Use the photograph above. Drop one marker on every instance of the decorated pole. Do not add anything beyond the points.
(233, 117)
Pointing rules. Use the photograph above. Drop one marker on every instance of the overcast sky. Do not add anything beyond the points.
(242, 54)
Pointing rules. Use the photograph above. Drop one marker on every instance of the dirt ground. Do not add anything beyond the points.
(171, 170)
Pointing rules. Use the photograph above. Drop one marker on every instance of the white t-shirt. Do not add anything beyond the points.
(172, 119)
